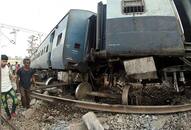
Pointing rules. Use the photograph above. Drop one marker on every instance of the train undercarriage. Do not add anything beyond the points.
(140, 81)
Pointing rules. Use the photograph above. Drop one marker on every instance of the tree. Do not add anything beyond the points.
(33, 44)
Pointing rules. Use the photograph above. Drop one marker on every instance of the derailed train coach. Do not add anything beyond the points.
(64, 43)
(128, 43)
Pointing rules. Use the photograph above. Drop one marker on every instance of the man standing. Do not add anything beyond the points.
(13, 69)
(17, 66)
(6, 88)
(25, 76)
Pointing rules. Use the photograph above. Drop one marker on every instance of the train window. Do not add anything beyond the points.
(44, 49)
(133, 6)
(47, 48)
(77, 45)
(52, 37)
(59, 39)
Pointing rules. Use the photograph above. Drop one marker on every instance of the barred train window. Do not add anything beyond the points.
(133, 6)
(52, 37)
(47, 48)
(59, 39)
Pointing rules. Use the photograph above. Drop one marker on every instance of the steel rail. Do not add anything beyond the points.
(135, 109)
(10, 125)
(40, 83)
(49, 86)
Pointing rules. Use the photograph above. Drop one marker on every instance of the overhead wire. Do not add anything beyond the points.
(11, 41)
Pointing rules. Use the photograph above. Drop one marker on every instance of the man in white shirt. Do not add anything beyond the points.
(6, 88)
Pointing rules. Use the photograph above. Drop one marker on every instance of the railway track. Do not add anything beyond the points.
(117, 107)
(11, 126)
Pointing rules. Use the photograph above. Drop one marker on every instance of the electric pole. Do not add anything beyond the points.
(34, 39)
(16, 29)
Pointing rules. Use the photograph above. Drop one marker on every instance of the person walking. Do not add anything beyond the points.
(7, 89)
(25, 77)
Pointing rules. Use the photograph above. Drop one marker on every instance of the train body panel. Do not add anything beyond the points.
(150, 27)
(41, 57)
(65, 43)
(151, 8)
(58, 44)
(32, 61)
(71, 47)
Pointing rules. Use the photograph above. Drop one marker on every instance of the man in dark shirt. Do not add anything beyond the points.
(25, 77)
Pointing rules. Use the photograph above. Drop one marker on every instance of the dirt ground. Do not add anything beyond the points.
(59, 116)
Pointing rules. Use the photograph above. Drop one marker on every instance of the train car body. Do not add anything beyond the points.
(143, 27)
(43, 61)
(41, 58)
(69, 39)
(65, 43)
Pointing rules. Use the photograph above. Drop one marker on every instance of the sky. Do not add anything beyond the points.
(37, 15)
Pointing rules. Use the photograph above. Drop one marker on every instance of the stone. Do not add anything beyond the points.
(92, 122)
(33, 101)
(57, 112)
(28, 113)
(75, 115)
(44, 116)
(158, 124)
(78, 126)
(39, 102)
(50, 118)
(155, 118)
(45, 93)
(119, 120)
(105, 126)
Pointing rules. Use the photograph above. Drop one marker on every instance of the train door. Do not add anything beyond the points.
(184, 10)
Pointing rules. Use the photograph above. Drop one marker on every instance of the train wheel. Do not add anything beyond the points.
(125, 95)
(82, 90)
